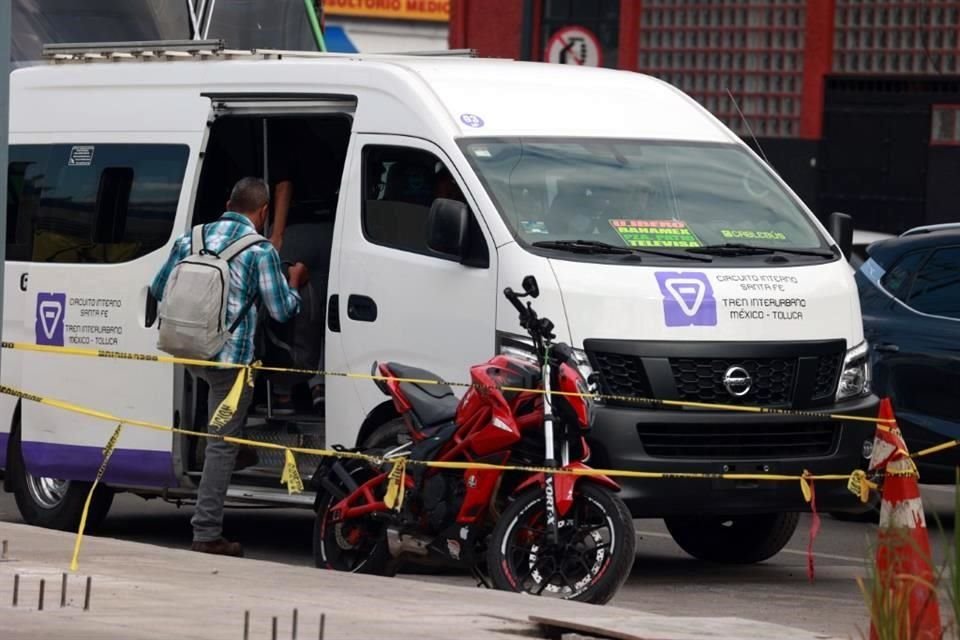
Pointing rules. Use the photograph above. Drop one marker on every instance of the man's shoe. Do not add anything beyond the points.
(246, 457)
(221, 547)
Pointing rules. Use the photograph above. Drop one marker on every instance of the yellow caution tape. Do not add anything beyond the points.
(649, 402)
(291, 474)
(396, 484)
(805, 486)
(107, 452)
(860, 486)
(228, 407)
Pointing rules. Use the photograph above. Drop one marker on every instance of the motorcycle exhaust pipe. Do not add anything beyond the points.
(400, 544)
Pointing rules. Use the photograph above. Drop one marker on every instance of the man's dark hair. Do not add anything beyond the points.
(249, 194)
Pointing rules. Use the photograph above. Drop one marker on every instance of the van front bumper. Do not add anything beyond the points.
(688, 441)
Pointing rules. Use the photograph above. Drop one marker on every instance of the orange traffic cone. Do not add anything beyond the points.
(904, 563)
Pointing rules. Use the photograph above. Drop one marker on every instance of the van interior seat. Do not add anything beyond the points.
(399, 224)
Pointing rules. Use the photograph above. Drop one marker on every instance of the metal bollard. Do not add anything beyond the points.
(273, 634)
(43, 584)
(293, 629)
(63, 591)
(86, 595)
(16, 588)
(246, 625)
(323, 623)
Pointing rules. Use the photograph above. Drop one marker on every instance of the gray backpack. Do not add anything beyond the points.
(193, 310)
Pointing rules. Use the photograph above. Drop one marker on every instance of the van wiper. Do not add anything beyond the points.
(739, 249)
(595, 246)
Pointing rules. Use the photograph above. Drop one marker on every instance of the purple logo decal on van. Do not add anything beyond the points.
(51, 309)
(687, 299)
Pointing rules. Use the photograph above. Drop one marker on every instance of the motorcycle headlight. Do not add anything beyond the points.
(855, 375)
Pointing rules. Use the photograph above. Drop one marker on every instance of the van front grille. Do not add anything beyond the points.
(701, 380)
(730, 441)
(828, 370)
(621, 375)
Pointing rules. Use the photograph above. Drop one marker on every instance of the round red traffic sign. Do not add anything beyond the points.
(574, 45)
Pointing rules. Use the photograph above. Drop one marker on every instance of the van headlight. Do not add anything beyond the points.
(586, 370)
(855, 375)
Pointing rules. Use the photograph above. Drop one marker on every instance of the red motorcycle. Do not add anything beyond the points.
(562, 535)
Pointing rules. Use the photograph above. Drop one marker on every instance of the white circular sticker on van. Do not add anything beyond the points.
(471, 120)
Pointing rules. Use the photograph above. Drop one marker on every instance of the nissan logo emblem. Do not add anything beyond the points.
(737, 382)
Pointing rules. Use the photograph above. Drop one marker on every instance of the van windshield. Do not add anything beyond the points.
(670, 196)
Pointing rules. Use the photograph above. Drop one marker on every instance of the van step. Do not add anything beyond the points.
(267, 495)
(304, 419)
(292, 435)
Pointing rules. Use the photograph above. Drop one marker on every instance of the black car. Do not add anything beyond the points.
(910, 298)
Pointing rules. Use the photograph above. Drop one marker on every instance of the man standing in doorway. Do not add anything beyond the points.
(255, 273)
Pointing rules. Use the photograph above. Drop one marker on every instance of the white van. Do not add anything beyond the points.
(665, 249)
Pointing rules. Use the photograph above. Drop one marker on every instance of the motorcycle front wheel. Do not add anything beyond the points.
(590, 560)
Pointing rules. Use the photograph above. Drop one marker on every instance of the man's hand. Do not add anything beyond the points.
(298, 275)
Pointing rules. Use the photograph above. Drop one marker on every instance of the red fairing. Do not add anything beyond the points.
(479, 484)
(564, 485)
(500, 430)
(571, 381)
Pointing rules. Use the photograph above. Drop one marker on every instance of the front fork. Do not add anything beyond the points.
(553, 534)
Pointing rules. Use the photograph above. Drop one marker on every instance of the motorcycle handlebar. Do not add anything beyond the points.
(512, 296)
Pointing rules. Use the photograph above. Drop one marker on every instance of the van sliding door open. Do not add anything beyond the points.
(298, 144)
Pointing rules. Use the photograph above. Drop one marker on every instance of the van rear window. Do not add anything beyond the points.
(92, 203)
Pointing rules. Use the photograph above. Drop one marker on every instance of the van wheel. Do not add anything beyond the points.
(51, 502)
(745, 539)
(388, 435)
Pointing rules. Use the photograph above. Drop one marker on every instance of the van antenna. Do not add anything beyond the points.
(749, 128)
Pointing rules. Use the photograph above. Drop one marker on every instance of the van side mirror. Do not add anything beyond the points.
(841, 229)
(530, 287)
(447, 228)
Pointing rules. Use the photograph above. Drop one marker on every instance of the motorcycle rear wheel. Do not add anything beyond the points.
(357, 545)
(589, 563)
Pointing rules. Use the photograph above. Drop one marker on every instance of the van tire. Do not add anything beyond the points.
(64, 506)
(388, 435)
(744, 539)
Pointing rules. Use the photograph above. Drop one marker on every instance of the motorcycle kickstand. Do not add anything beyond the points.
(480, 578)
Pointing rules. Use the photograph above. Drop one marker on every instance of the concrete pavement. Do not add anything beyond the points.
(149, 592)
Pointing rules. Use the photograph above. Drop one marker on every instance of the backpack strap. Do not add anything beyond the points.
(198, 241)
(240, 244)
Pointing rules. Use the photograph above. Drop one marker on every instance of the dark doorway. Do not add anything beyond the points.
(873, 163)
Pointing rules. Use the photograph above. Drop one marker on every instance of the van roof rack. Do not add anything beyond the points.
(930, 228)
(202, 50)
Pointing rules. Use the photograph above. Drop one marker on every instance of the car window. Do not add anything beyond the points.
(936, 289)
(102, 203)
(400, 185)
(898, 279)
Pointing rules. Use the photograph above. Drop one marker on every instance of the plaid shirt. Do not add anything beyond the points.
(255, 270)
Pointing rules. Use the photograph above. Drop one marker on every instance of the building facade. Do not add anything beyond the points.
(376, 26)
(856, 103)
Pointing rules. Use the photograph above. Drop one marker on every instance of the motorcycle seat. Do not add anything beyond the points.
(433, 404)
